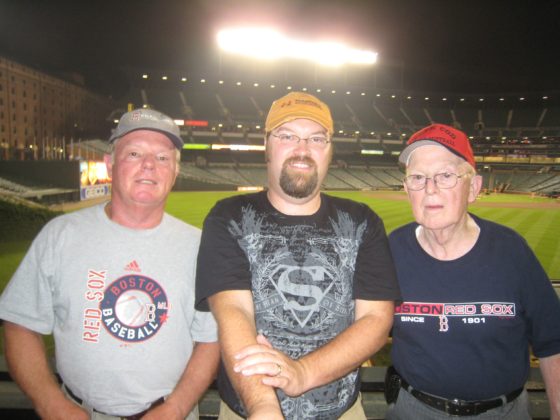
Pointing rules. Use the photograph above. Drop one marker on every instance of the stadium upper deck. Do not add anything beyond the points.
(358, 112)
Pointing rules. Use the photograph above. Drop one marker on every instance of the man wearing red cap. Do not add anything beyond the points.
(301, 284)
(475, 297)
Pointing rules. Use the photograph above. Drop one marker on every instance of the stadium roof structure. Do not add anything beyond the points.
(242, 103)
(433, 46)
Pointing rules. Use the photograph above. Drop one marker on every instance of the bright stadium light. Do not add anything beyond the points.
(268, 44)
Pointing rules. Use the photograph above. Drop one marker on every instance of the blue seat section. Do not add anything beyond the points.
(365, 109)
(466, 117)
(441, 115)
(525, 117)
(205, 105)
(416, 114)
(357, 113)
(495, 117)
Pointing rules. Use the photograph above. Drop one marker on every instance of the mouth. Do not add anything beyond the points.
(146, 182)
(299, 163)
(433, 207)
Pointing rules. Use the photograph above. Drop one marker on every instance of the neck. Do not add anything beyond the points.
(451, 242)
(295, 206)
(134, 217)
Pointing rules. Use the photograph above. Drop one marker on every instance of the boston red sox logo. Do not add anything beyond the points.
(134, 308)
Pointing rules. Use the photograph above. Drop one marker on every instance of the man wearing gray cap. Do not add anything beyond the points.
(114, 284)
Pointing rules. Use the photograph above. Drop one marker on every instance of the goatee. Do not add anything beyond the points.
(298, 185)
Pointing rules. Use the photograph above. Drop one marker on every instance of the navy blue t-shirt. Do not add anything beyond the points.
(464, 327)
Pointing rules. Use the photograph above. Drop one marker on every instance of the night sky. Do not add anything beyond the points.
(444, 45)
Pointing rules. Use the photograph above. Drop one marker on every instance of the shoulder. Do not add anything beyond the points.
(498, 231)
(402, 232)
(178, 224)
(355, 208)
(76, 218)
(236, 203)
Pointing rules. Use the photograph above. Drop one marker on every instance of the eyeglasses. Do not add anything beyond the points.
(444, 180)
(317, 141)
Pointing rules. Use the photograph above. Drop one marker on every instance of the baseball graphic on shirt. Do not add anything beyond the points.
(132, 308)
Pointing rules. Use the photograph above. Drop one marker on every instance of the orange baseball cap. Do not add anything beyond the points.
(298, 105)
(452, 139)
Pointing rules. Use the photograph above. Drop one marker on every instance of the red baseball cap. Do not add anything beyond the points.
(452, 139)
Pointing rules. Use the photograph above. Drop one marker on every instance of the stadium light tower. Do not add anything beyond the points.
(269, 44)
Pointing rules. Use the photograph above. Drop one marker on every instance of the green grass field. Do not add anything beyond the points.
(537, 219)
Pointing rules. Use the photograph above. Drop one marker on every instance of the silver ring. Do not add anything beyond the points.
(279, 369)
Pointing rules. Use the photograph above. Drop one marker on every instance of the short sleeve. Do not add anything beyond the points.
(542, 306)
(204, 328)
(222, 264)
(27, 300)
(375, 275)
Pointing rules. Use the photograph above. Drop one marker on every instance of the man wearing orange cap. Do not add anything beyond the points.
(475, 297)
(302, 284)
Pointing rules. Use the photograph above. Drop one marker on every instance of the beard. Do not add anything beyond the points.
(298, 185)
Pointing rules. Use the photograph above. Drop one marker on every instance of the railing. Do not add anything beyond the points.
(14, 404)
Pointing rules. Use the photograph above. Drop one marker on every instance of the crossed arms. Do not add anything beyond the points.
(255, 368)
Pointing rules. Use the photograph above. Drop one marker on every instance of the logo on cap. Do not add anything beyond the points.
(452, 139)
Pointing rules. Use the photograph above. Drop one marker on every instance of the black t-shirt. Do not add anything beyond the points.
(304, 273)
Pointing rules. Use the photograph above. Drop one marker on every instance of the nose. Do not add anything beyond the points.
(431, 185)
(148, 161)
(302, 145)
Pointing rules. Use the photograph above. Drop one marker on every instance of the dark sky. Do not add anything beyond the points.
(444, 45)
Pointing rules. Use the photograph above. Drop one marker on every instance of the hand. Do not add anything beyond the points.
(166, 410)
(278, 370)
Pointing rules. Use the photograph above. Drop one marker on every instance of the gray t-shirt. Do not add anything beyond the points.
(119, 301)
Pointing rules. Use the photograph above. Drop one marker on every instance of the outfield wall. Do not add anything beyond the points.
(52, 173)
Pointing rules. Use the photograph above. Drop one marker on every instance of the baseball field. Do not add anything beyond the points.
(535, 218)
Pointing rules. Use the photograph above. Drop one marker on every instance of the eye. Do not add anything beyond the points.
(318, 140)
(162, 158)
(134, 154)
(416, 177)
(446, 175)
(286, 137)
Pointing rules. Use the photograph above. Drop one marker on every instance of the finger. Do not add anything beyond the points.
(253, 349)
(255, 359)
(261, 339)
(275, 381)
(269, 369)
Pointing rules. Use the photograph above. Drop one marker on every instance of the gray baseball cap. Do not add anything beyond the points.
(147, 119)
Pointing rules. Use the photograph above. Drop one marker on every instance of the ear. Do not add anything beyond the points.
(475, 187)
(108, 159)
(266, 159)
